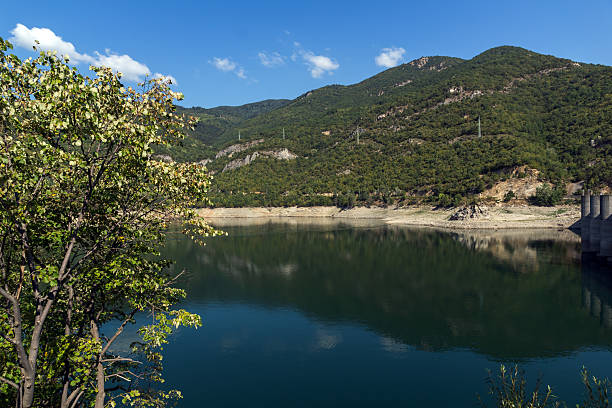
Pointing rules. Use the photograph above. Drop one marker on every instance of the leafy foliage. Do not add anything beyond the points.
(597, 391)
(509, 390)
(547, 196)
(82, 212)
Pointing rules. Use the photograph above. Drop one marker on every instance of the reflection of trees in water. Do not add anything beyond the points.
(525, 249)
(418, 287)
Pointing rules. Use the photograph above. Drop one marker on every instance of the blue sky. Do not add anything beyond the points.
(236, 52)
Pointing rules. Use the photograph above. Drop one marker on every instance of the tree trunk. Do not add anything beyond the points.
(67, 330)
(27, 391)
(100, 395)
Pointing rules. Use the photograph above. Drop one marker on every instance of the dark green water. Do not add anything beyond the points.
(359, 315)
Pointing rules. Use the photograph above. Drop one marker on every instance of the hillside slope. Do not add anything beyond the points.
(410, 133)
(213, 127)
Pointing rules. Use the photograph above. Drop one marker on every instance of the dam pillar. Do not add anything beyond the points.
(606, 316)
(605, 234)
(585, 221)
(595, 224)
(586, 297)
(595, 305)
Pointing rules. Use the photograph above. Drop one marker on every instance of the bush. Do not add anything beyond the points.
(509, 389)
(547, 196)
(345, 200)
(509, 196)
(444, 200)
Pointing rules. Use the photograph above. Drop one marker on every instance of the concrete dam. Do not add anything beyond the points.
(596, 227)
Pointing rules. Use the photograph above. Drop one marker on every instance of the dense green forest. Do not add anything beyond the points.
(213, 125)
(410, 133)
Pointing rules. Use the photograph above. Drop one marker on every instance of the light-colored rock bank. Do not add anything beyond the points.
(506, 217)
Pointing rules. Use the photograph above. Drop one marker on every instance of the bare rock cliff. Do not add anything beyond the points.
(282, 154)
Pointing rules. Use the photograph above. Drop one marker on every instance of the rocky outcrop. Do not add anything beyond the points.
(392, 112)
(404, 83)
(419, 63)
(514, 81)
(469, 212)
(423, 63)
(282, 154)
(458, 93)
(237, 148)
(522, 181)
(163, 158)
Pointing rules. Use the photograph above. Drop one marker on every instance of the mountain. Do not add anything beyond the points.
(213, 127)
(410, 133)
(214, 122)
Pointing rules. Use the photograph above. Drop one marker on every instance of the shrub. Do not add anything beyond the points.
(444, 200)
(597, 391)
(547, 196)
(509, 389)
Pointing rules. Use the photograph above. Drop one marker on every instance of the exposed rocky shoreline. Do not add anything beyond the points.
(498, 217)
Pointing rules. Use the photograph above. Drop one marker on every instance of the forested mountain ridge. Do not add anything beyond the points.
(410, 133)
(213, 124)
(214, 121)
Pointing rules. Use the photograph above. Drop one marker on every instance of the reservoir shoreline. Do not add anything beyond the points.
(496, 217)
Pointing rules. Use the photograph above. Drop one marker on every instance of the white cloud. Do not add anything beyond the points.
(131, 69)
(326, 339)
(271, 60)
(227, 65)
(47, 41)
(166, 78)
(390, 57)
(319, 64)
(393, 346)
(223, 64)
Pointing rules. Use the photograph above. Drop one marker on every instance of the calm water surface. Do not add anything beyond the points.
(361, 315)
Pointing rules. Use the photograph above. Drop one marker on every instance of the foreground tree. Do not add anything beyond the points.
(83, 206)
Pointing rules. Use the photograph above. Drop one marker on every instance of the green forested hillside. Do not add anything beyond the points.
(410, 133)
(213, 127)
(215, 122)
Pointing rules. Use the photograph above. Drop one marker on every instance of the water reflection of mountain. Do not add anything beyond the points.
(525, 250)
(509, 297)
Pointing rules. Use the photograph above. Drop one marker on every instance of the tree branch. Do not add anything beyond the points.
(114, 360)
(74, 397)
(118, 332)
(9, 382)
(17, 341)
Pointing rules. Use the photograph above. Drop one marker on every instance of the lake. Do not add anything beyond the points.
(361, 314)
